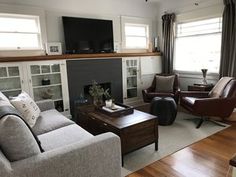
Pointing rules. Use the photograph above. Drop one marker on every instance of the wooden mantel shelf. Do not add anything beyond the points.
(75, 56)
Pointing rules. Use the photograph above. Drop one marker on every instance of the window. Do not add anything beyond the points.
(19, 32)
(136, 36)
(198, 45)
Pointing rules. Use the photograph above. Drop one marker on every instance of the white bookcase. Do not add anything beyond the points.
(29, 76)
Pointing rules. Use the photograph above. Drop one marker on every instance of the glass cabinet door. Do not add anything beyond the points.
(46, 83)
(10, 80)
(131, 78)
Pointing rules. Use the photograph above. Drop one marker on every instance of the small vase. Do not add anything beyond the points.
(204, 73)
(108, 103)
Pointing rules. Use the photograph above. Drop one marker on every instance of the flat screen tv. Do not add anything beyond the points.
(83, 35)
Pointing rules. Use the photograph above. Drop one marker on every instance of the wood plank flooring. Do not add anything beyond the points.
(206, 158)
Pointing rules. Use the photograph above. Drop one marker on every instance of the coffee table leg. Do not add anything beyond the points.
(156, 145)
(122, 160)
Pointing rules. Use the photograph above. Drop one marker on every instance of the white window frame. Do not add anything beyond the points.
(188, 21)
(146, 35)
(139, 22)
(39, 34)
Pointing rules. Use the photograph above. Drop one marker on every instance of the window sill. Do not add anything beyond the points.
(125, 50)
(195, 74)
(19, 53)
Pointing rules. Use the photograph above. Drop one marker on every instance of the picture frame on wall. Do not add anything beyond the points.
(53, 48)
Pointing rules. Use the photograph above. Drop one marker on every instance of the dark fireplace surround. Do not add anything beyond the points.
(81, 73)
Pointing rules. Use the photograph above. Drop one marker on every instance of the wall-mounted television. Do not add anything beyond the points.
(83, 35)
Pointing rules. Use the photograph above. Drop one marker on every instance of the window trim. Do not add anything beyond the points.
(137, 21)
(146, 26)
(39, 33)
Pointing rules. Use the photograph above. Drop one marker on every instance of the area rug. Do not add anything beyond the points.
(171, 139)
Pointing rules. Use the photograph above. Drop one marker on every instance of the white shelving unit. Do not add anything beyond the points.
(131, 79)
(28, 76)
(55, 72)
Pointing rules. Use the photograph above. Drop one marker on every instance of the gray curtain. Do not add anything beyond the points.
(168, 42)
(228, 46)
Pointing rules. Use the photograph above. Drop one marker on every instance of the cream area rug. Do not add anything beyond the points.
(171, 139)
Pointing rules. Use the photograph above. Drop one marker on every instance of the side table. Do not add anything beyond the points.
(200, 87)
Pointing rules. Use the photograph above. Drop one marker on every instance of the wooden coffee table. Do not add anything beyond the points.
(135, 130)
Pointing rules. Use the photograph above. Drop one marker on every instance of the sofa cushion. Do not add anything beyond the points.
(188, 101)
(50, 120)
(63, 136)
(16, 140)
(27, 107)
(164, 83)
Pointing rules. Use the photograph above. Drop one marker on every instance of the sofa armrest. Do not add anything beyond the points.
(99, 156)
(45, 105)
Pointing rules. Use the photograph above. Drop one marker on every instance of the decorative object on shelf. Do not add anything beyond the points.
(46, 81)
(53, 48)
(204, 73)
(97, 92)
(48, 94)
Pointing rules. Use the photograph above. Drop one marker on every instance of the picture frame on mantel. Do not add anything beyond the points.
(53, 48)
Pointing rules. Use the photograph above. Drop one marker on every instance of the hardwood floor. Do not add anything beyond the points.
(206, 158)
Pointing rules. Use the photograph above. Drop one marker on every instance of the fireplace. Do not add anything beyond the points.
(81, 73)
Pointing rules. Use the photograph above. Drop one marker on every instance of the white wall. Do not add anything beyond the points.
(102, 9)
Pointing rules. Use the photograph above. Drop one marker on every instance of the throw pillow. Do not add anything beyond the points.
(16, 140)
(165, 83)
(27, 107)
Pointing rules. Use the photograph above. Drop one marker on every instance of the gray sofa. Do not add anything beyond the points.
(70, 151)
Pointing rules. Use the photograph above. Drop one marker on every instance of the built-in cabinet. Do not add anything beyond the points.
(48, 79)
(40, 79)
(11, 82)
(131, 79)
(138, 74)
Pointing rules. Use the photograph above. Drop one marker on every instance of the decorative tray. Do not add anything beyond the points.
(118, 110)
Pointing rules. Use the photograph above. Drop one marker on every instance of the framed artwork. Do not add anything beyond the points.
(53, 48)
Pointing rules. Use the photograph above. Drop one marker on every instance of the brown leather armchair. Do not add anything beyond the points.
(149, 93)
(204, 105)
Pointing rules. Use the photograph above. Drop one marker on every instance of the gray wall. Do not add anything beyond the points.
(82, 72)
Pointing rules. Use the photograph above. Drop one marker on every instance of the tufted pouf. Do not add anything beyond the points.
(165, 109)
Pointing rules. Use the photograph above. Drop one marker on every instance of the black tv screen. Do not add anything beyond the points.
(83, 35)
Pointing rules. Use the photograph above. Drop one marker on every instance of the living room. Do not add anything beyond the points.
(117, 88)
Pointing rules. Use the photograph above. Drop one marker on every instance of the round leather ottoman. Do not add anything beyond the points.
(165, 109)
